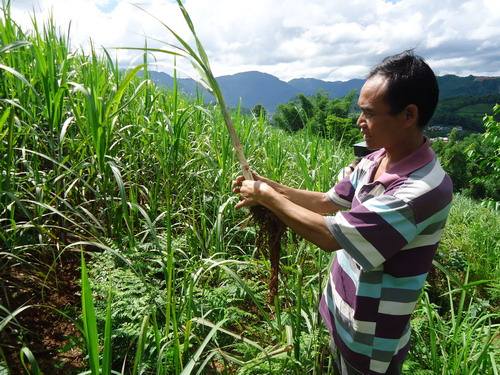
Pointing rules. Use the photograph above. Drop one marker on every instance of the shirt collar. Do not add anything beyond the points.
(416, 160)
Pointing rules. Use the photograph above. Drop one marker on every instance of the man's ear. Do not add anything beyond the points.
(411, 114)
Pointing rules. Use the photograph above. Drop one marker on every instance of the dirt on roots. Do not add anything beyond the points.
(268, 241)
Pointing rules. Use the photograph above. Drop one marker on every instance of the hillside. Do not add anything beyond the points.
(452, 86)
(255, 88)
(310, 86)
(465, 112)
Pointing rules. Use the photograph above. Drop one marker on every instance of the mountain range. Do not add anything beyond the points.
(250, 88)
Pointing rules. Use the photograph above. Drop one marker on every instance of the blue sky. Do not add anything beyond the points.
(107, 6)
(325, 39)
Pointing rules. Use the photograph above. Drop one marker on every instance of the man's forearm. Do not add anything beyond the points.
(312, 200)
(310, 225)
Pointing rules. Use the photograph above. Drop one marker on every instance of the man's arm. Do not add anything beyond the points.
(310, 225)
(311, 200)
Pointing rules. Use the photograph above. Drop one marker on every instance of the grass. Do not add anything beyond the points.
(138, 178)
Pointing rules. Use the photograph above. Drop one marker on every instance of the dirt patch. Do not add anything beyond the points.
(51, 336)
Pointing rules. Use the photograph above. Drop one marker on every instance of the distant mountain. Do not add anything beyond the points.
(256, 88)
(310, 86)
(247, 89)
(186, 85)
(452, 86)
(251, 88)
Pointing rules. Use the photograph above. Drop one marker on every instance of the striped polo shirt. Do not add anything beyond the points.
(389, 235)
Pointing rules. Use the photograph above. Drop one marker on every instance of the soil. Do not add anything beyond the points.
(52, 337)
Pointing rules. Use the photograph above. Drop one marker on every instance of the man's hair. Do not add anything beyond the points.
(410, 81)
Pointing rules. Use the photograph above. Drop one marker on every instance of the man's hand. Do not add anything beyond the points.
(299, 217)
(251, 193)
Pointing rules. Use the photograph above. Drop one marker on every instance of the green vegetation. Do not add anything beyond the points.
(462, 111)
(473, 162)
(327, 117)
(134, 182)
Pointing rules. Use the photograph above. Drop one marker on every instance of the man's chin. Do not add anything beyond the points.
(371, 144)
(369, 141)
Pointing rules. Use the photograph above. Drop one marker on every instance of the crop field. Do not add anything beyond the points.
(121, 250)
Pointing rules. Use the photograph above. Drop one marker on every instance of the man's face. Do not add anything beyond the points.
(379, 126)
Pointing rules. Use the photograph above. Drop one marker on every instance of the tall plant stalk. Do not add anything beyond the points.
(199, 60)
(271, 228)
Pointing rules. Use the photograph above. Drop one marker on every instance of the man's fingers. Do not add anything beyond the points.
(237, 182)
(240, 204)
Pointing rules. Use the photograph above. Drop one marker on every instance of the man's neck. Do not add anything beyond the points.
(403, 148)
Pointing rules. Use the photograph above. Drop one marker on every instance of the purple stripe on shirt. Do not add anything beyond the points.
(325, 313)
(367, 308)
(394, 185)
(343, 284)
(371, 225)
(391, 326)
(426, 205)
(411, 262)
(355, 202)
(344, 189)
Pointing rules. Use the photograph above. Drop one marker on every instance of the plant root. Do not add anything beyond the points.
(268, 241)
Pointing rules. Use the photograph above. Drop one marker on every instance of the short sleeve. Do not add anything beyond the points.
(342, 193)
(375, 230)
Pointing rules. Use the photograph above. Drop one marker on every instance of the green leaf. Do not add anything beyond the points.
(19, 76)
(3, 120)
(195, 358)
(106, 358)
(140, 344)
(89, 322)
(115, 102)
(15, 45)
(33, 368)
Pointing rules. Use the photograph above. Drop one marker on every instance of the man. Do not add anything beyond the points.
(396, 202)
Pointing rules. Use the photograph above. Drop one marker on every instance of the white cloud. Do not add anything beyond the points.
(326, 39)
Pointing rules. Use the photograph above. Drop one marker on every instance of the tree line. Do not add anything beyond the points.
(330, 118)
(473, 161)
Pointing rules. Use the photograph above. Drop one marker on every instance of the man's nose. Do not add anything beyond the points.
(360, 120)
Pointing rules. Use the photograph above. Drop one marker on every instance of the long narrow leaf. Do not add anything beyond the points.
(106, 357)
(33, 368)
(89, 322)
(10, 316)
(196, 356)
(140, 344)
(13, 46)
(115, 102)
(18, 75)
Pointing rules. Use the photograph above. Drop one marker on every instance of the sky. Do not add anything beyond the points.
(333, 40)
